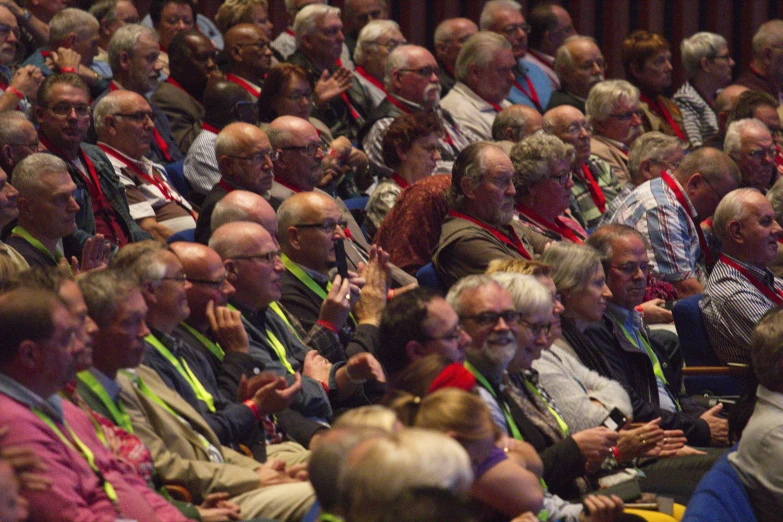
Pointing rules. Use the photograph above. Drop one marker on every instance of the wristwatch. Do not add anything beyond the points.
(26, 15)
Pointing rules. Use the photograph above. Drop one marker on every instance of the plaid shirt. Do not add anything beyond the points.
(653, 210)
(582, 205)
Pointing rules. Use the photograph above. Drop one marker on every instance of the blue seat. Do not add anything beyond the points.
(720, 497)
(188, 235)
(427, 277)
(356, 203)
(176, 174)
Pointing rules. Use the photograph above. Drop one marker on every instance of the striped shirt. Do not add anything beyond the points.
(201, 165)
(698, 118)
(732, 307)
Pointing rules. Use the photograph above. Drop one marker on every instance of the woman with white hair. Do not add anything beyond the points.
(708, 64)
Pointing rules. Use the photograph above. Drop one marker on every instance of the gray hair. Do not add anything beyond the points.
(529, 294)
(534, 157)
(279, 137)
(469, 165)
(124, 40)
(398, 59)
(572, 265)
(479, 49)
(103, 291)
(766, 350)
(140, 261)
(443, 32)
(700, 45)
(466, 284)
(509, 117)
(770, 33)
(775, 197)
(563, 57)
(606, 95)
(107, 106)
(731, 208)
(308, 17)
(227, 144)
(71, 20)
(655, 146)
(487, 18)
(105, 10)
(11, 126)
(28, 174)
(732, 143)
(601, 239)
(288, 214)
(224, 213)
(369, 34)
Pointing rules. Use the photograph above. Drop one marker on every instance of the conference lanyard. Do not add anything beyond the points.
(274, 342)
(512, 425)
(558, 418)
(308, 281)
(672, 184)
(776, 296)
(24, 234)
(215, 348)
(557, 226)
(594, 188)
(116, 409)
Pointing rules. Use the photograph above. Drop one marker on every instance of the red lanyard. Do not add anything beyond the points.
(159, 141)
(152, 180)
(776, 296)
(543, 59)
(657, 107)
(399, 180)
(361, 71)
(495, 106)
(344, 96)
(93, 183)
(289, 32)
(512, 239)
(672, 184)
(245, 85)
(595, 189)
(530, 92)
(557, 226)
(210, 128)
(225, 185)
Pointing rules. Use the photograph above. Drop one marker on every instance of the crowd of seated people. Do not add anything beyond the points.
(332, 275)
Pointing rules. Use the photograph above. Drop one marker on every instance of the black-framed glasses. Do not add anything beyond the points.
(181, 279)
(139, 117)
(627, 115)
(311, 149)
(267, 258)
(491, 318)
(630, 269)
(217, 284)
(258, 158)
(424, 72)
(64, 110)
(327, 226)
(452, 335)
(562, 178)
(537, 328)
(759, 154)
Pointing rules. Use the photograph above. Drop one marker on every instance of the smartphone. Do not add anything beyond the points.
(339, 254)
(615, 420)
(667, 305)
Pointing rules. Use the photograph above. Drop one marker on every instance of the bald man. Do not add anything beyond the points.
(580, 65)
(241, 205)
(124, 124)
(724, 105)
(449, 37)
(249, 57)
(244, 158)
(516, 122)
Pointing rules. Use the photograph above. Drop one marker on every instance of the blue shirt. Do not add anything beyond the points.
(541, 84)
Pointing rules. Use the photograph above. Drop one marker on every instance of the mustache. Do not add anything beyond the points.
(501, 338)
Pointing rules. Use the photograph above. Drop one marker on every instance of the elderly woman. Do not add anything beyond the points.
(647, 62)
(234, 12)
(410, 149)
(376, 41)
(708, 64)
(542, 164)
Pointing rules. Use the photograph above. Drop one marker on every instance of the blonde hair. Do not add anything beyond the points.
(519, 266)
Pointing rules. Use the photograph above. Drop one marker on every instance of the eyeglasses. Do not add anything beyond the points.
(267, 258)
(260, 44)
(575, 129)
(327, 226)
(217, 284)
(452, 335)
(537, 328)
(562, 178)
(139, 117)
(759, 154)
(64, 110)
(5, 30)
(311, 149)
(181, 279)
(258, 158)
(424, 72)
(631, 269)
(390, 45)
(491, 318)
(627, 115)
(297, 96)
(511, 30)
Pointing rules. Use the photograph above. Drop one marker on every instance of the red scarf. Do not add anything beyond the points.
(774, 295)
(658, 108)
(558, 226)
(512, 240)
(596, 193)
(672, 184)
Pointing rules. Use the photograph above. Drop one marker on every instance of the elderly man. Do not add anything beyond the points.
(580, 65)
(22, 85)
(18, 139)
(412, 86)
(667, 212)
(484, 77)
(9, 211)
(595, 186)
(638, 361)
(763, 107)
(358, 14)
(184, 449)
(245, 158)
(248, 57)
(479, 226)
(123, 121)
(64, 114)
(416, 324)
(111, 15)
(133, 56)
(612, 108)
(550, 27)
(319, 41)
(741, 288)
(724, 106)
(225, 102)
(38, 350)
(515, 123)
(241, 205)
(449, 37)
(765, 73)
(285, 44)
(531, 85)
(376, 41)
(750, 145)
(191, 64)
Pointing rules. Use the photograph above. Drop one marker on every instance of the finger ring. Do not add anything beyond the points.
(664, 440)
(347, 297)
(644, 442)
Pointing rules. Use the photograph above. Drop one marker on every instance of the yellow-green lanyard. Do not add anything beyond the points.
(558, 418)
(82, 449)
(277, 346)
(308, 281)
(182, 367)
(215, 348)
(512, 425)
(279, 311)
(24, 234)
(651, 354)
(328, 517)
(117, 410)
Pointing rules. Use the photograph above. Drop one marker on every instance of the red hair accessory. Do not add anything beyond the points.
(453, 376)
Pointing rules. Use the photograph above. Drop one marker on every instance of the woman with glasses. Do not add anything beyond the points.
(410, 149)
(542, 164)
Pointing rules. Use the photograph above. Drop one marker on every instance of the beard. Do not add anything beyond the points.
(500, 348)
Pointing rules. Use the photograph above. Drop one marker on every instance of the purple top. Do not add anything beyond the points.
(496, 457)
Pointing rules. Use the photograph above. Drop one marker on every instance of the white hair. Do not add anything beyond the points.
(606, 95)
(487, 18)
(307, 19)
(369, 34)
(71, 20)
(107, 106)
(124, 40)
(529, 294)
(733, 141)
(700, 45)
(479, 49)
(732, 207)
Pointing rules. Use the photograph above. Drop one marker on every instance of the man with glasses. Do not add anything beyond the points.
(449, 37)
(741, 288)
(580, 65)
(637, 360)
(612, 108)
(667, 212)
(750, 145)
(19, 139)
(595, 186)
(479, 226)
(64, 114)
(376, 41)
(248, 57)
(22, 84)
(124, 123)
(285, 44)
(245, 159)
(765, 71)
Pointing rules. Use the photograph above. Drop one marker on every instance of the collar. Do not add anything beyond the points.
(142, 162)
(111, 387)
(631, 319)
(413, 106)
(51, 406)
(480, 103)
(765, 274)
(619, 144)
(522, 67)
(318, 277)
(169, 341)
(257, 317)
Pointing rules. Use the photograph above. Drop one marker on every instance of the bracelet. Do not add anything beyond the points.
(350, 378)
(65, 70)
(390, 294)
(16, 92)
(253, 408)
(616, 452)
(329, 326)
(325, 386)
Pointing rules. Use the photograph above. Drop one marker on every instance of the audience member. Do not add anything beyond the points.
(169, 17)
(285, 44)
(775, 197)
(764, 72)
(241, 205)
(20, 86)
(33, 25)
(550, 27)
(515, 123)
(18, 139)
(448, 39)
(9, 211)
(233, 12)
(358, 14)
(749, 143)
(375, 42)
(111, 15)
(248, 57)
(724, 105)
(580, 65)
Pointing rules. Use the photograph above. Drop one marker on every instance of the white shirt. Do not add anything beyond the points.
(474, 115)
